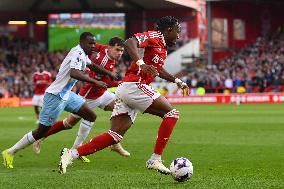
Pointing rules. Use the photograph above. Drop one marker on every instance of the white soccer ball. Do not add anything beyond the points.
(181, 169)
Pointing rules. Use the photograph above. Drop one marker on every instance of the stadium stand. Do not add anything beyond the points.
(19, 58)
(256, 68)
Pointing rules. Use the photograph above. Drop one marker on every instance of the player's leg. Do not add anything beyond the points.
(150, 101)
(67, 123)
(36, 109)
(162, 108)
(37, 103)
(74, 104)
(52, 108)
(107, 103)
(58, 126)
(122, 119)
(84, 129)
(85, 126)
(120, 124)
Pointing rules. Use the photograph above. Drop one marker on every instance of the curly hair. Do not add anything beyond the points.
(166, 22)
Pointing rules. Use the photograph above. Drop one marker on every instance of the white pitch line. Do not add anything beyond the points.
(25, 118)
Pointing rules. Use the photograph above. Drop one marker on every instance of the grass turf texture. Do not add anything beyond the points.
(66, 38)
(230, 147)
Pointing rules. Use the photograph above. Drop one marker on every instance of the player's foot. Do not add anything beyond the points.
(36, 146)
(65, 160)
(7, 159)
(157, 165)
(120, 150)
(84, 159)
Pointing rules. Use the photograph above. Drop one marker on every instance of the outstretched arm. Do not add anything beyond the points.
(79, 75)
(100, 69)
(166, 75)
(169, 77)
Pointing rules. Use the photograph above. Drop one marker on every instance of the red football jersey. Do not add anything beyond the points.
(41, 80)
(155, 54)
(91, 91)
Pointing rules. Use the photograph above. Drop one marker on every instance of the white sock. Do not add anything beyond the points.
(27, 140)
(74, 154)
(155, 157)
(83, 132)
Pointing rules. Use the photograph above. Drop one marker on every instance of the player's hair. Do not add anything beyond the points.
(116, 41)
(166, 22)
(84, 35)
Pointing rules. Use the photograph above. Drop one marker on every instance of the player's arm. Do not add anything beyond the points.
(100, 69)
(131, 45)
(169, 77)
(79, 75)
(113, 83)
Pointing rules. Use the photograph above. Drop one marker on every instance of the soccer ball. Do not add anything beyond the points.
(181, 169)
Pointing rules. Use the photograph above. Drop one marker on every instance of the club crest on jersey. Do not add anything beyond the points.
(142, 38)
(79, 59)
(156, 59)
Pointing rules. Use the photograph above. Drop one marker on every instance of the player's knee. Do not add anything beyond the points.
(116, 137)
(174, 113)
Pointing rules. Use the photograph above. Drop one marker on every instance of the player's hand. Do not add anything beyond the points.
(101, 84)
(150, 69)
(183, 86)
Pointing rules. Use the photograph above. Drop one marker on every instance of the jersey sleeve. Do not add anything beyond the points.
(143, 39)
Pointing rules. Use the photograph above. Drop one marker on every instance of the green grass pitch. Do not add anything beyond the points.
(230, 147)
(66, 38)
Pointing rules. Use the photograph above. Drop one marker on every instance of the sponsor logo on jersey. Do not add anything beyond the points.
(156, 59)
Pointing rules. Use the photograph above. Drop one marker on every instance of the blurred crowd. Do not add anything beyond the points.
(95, 20)
(255, 68)
(19, 59)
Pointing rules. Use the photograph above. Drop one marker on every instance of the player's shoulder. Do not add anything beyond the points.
(150, 33)
(155, 34)
(77, 51)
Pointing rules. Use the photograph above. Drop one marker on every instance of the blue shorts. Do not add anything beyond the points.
(53, 106)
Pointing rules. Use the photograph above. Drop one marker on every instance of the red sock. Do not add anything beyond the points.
(165, 131)
(55, 128)
(98, 143)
